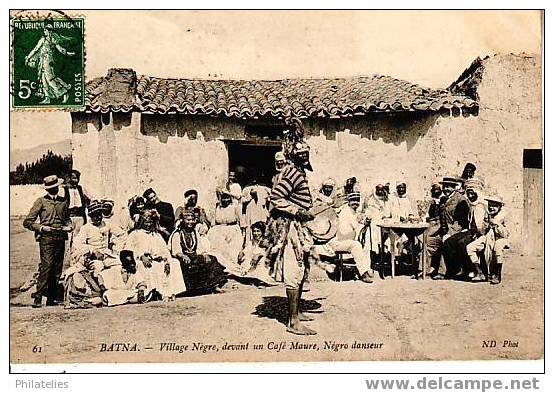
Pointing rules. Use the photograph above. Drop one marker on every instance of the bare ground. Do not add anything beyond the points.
(405, 319)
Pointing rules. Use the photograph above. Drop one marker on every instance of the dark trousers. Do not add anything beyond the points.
(434, 248)
(52, 249)
(455, 253)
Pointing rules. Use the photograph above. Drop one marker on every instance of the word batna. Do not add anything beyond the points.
(119, 347)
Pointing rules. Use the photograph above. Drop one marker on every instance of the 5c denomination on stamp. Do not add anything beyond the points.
(48, 63)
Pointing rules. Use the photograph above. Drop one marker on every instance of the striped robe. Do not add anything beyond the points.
(289, 194)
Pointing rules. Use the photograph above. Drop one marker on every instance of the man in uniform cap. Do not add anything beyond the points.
(52, 213)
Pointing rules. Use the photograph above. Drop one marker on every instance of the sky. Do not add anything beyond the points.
(430, 48)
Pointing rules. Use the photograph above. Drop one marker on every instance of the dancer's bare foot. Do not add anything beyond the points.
(300, 329)
(304, 318)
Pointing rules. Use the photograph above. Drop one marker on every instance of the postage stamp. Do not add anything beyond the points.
(48, 63)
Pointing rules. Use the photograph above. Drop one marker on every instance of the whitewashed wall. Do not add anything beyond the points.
(23, 197)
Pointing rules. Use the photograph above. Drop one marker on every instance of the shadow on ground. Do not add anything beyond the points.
(276, 307)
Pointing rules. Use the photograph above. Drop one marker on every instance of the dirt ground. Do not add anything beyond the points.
(404, 319)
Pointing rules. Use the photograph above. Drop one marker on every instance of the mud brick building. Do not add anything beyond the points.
(175, 134)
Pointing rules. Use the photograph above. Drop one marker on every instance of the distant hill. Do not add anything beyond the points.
(21, 156)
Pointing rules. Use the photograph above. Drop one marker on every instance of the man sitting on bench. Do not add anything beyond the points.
(344, 241)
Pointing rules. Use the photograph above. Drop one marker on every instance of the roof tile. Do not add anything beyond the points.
(277, 98)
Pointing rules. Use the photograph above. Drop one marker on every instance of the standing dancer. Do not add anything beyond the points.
(288, 236)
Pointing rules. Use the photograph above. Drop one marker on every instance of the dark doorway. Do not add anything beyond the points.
(252, 162)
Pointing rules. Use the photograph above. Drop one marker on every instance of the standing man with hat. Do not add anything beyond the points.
(51, 231)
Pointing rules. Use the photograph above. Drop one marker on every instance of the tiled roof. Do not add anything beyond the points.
(258, 98)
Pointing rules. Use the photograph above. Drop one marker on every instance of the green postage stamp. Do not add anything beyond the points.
(48, 63)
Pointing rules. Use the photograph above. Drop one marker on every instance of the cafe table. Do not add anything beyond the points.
(395, 230)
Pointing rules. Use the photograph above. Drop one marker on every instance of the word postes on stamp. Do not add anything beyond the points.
(48, 63)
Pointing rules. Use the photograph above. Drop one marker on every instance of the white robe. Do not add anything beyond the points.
(119, 291)
(141, 243)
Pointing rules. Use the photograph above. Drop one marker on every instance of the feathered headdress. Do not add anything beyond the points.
(293, 138)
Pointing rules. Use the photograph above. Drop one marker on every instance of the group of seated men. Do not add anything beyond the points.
(467, 232)
(152, 251)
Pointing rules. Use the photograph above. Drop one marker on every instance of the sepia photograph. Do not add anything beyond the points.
(275, 186)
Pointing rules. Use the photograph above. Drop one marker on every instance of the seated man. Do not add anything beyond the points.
(162, 272)
(494, 242)
(252, 257)
(191, 203)
(92, 252)
(98, 240)
(402, 206)
(201, 272)
(349, 226)
(165, 211)
(125, 285)
(376, 210)
(107, 208)
(453, 218)
(403, 209)
(83, 285)
(434, 239)
(327, 193)
(455, 247)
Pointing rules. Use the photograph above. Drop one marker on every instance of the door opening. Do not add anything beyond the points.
(252, 163)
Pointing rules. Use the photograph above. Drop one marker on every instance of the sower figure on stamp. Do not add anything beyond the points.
(51, 233)
(43, 60)
(289, 239)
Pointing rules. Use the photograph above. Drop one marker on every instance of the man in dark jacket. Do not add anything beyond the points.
(164, 209)
(77, 200)
(434, 239)
(453, 218)
(455, 247)
(51, 231)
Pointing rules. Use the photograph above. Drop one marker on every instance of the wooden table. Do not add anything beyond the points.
(395, 230)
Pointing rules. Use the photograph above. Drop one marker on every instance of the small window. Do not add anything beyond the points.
(532, 158)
